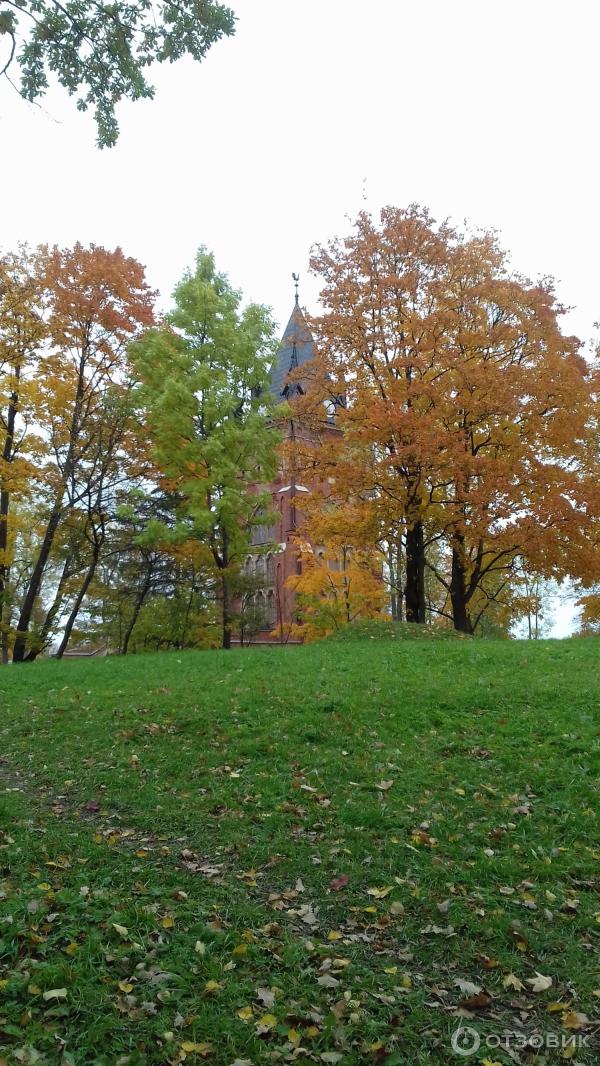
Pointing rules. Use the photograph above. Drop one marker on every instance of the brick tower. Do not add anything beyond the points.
(273, 557)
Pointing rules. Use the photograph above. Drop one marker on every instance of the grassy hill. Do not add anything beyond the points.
(334, 853)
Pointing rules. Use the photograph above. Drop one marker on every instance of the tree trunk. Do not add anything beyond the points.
(139, 603)
(225, 595)
(54, 609)
(459, 595)
(91, 570)
(35, 582)
(414, 589)
(7, 457)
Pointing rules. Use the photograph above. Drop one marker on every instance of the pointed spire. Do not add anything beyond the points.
(296, 278)
(295, 349)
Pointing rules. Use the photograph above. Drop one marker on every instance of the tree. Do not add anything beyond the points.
(95, 303)
(22, 330)
(100, 52)
(467, 413)
(205, 390)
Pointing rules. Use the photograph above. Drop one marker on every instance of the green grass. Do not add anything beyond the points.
(173, 829)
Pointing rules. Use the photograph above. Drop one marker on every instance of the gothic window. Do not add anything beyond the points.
(270, 568)
(271, 608)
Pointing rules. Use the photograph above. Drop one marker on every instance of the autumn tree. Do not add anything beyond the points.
(95, 303)
(205, 375)
(152, 589)
(467, 409)
(101, 53)
(22, 330)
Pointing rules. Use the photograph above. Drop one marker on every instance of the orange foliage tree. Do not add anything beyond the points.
(339, 582)
(94, 302)
(467, 411)
(22, 330)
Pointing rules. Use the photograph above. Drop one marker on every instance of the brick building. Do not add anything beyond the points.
(275, 557)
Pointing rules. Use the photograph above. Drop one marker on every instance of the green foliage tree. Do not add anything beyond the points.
(205, 375)
(100, 52)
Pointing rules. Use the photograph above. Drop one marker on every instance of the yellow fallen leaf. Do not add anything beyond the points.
(554, 1008)
(122, 930)
(390, 969)
(33, 990)
(312, 1031)
(44, 886)
(71, 949)
(125, 987)
(293, 1036)
(334, 935)
(168, 922)
(573, 1019)
(55, 993)
(240, 950)
(212, 986)
(245, 1013)
(198, 1049)
(379, 893)
(268, 1021)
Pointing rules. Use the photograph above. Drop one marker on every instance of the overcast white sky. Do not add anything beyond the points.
(480, 109)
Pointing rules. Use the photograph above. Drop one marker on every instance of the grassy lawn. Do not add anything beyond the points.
(335, 853)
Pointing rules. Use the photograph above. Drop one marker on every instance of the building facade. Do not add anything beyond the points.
(268, 607)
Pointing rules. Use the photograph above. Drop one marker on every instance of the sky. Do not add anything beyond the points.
(316, 109)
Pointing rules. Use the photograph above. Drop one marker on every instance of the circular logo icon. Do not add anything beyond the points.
(465, 1041)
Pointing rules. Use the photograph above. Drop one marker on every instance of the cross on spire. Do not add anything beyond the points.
(296, 278)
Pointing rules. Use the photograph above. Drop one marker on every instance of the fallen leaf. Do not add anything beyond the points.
(339, 882)
(379, 893)
(539, 983)
(480, 1001)
(266, 997)
(467, 987)
(267, 1022)
(573, 1019)
(55, 993)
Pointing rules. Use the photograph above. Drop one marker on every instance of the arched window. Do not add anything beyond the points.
(271, 608)
(248, 566)
(261, 603)
(270, 568)
(260, 566)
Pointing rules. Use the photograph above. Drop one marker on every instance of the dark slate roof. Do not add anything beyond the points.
(296, 348)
